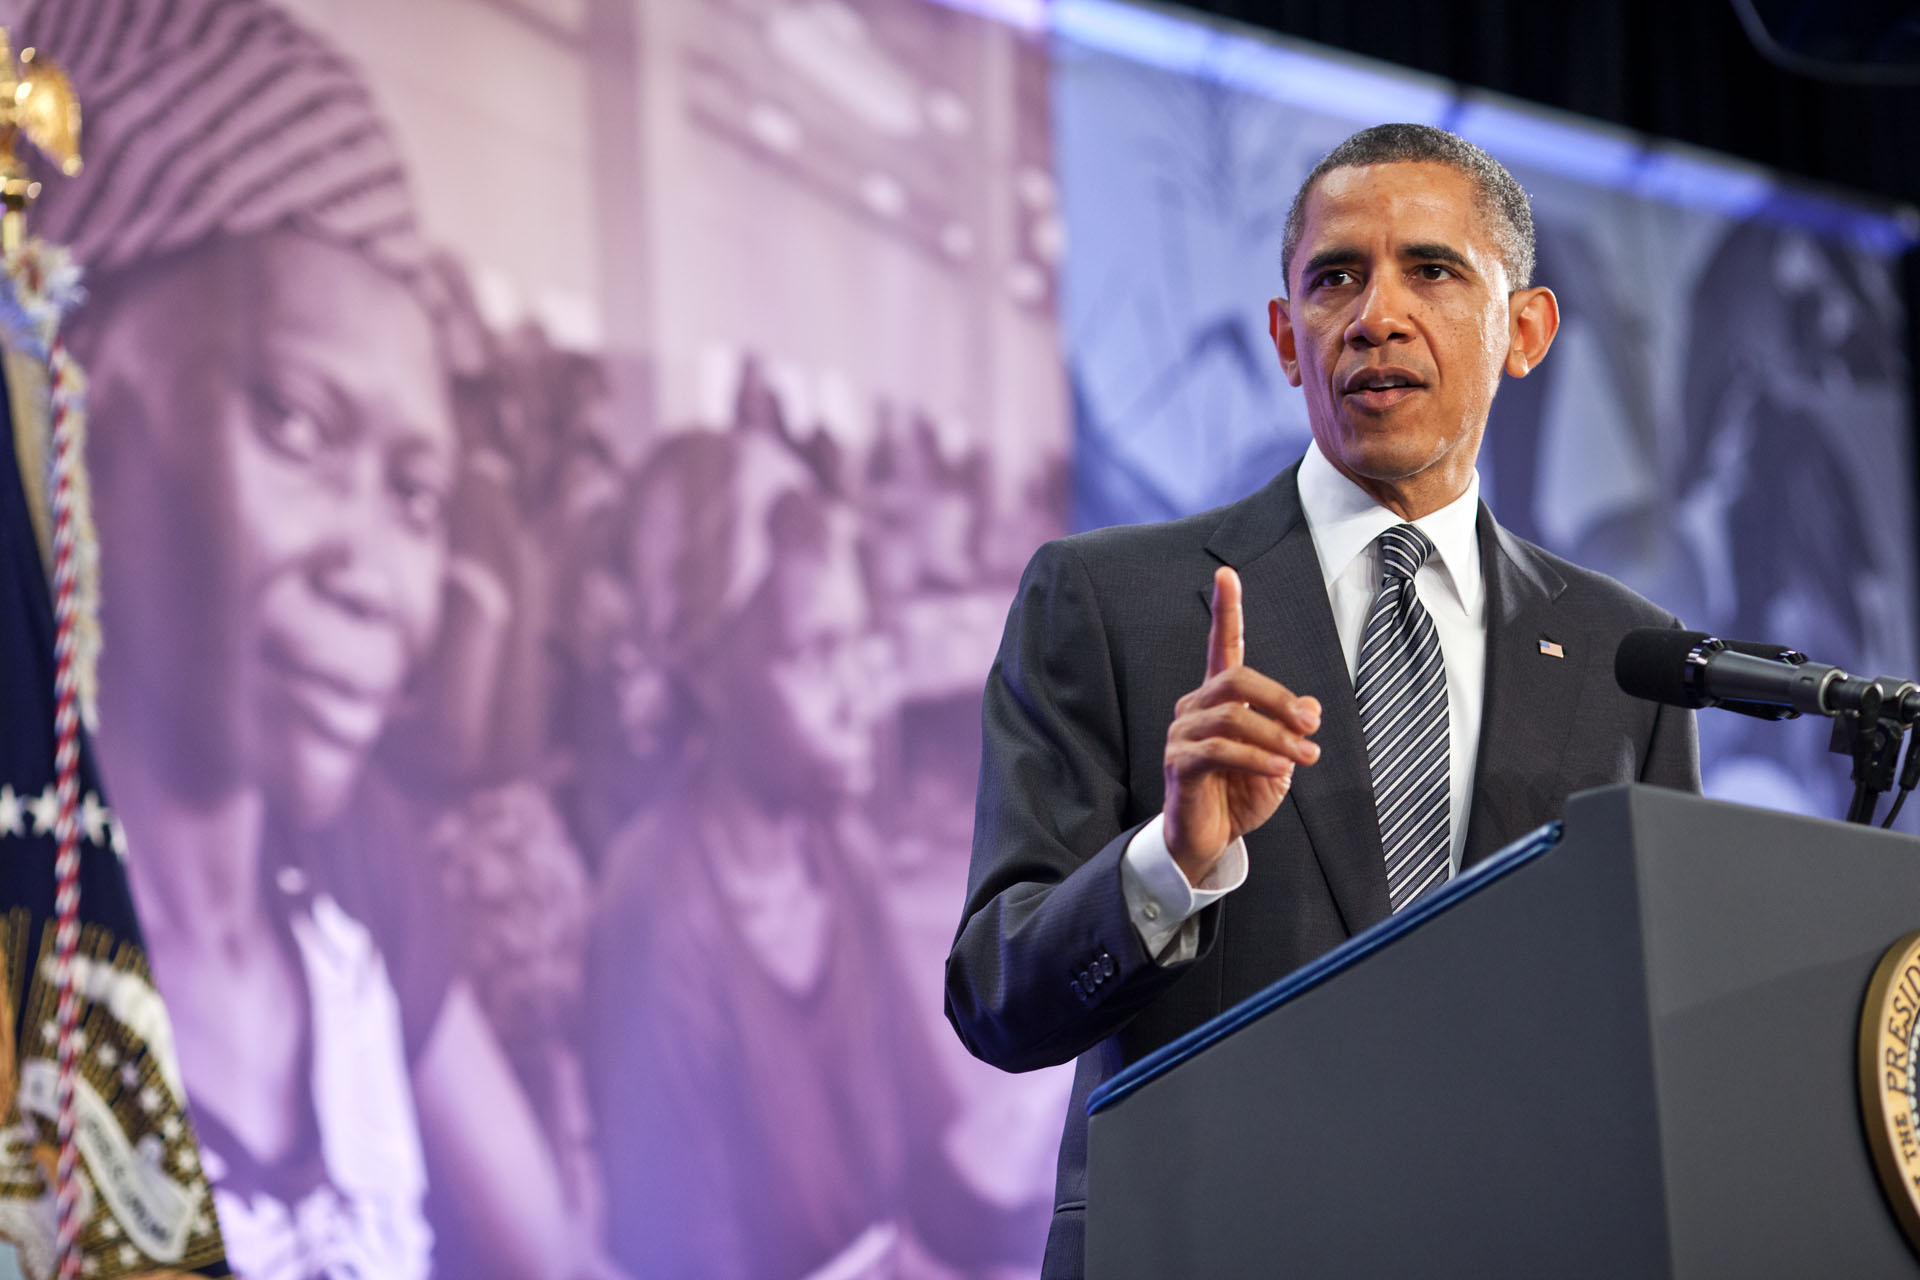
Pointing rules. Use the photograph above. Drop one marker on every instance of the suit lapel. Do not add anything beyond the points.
(1291, 637)
(1531, 695)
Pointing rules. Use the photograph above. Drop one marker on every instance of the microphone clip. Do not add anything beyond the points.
(1872, 736)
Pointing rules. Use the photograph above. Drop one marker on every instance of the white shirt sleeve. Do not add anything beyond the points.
(1159, 900)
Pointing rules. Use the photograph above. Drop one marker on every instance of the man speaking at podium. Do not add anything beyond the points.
(1218, 747)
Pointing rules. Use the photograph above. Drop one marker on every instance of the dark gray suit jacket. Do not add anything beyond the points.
(1107, 631)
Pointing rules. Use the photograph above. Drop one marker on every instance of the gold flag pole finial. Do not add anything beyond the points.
(37, 102)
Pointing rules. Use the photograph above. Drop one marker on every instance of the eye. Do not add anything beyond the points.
(423, 509)
(294, 434)
(1433, 271)
(1332, 279)
(420, 496)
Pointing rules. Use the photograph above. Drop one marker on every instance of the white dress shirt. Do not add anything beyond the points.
(1344, 521)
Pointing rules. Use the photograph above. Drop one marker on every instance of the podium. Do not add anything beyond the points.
(1625, 1046)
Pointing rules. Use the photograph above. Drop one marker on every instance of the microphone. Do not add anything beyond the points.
(1692, 669)
(1900, 700)
(1760, 649)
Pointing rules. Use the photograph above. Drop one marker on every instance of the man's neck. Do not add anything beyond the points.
(1415, 496)
(1420, 494)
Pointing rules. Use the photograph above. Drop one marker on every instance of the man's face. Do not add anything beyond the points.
(1398, 326)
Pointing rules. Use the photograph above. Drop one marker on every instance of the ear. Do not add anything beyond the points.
(1280, 325)
(1533, 319)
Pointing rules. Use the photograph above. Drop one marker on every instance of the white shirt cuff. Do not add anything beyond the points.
(1160, 902)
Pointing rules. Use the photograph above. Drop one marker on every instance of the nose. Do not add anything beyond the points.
(1379, 313)
(347, 566)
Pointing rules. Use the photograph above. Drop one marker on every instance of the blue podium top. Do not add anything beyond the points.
(1308, 976)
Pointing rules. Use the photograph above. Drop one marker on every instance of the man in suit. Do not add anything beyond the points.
(1181, 798)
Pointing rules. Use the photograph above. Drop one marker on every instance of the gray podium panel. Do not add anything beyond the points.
(1761, 932)
(1627, 1053)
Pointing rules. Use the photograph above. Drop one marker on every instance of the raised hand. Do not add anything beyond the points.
(1233, 744)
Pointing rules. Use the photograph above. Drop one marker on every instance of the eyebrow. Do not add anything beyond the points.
(1329, 258)
(1434, 251)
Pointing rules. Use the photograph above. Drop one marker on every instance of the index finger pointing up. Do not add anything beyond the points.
(1226, 638)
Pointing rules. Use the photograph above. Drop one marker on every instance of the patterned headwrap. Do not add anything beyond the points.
(212, 118)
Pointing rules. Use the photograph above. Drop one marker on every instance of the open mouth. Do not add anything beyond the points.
(1380, 388)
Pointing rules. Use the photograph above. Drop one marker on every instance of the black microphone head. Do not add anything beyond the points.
(1651, 663)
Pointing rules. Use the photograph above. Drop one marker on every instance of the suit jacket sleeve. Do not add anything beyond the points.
(1047, 963)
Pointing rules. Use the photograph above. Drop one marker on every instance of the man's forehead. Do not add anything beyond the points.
(1396, 197)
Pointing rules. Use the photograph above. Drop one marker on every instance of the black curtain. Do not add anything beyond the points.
(1681, 69)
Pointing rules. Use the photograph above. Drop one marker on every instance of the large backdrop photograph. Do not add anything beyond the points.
(561, 470)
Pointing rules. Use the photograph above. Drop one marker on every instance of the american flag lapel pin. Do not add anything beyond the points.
(1551, 648)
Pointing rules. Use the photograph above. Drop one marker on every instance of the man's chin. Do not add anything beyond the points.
(1385, 458)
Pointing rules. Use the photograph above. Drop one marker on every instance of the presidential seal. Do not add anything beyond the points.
(1890, 1079)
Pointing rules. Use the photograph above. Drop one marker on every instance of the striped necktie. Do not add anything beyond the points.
(1401, 688)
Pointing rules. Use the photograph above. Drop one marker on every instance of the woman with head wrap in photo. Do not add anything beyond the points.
(273, 457)
(771, 1104)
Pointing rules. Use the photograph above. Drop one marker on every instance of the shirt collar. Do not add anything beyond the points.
(1344, 520)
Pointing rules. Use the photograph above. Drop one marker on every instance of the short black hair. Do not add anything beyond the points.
(1501, 198)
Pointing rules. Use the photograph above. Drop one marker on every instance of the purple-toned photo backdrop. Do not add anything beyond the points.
(561, 467)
